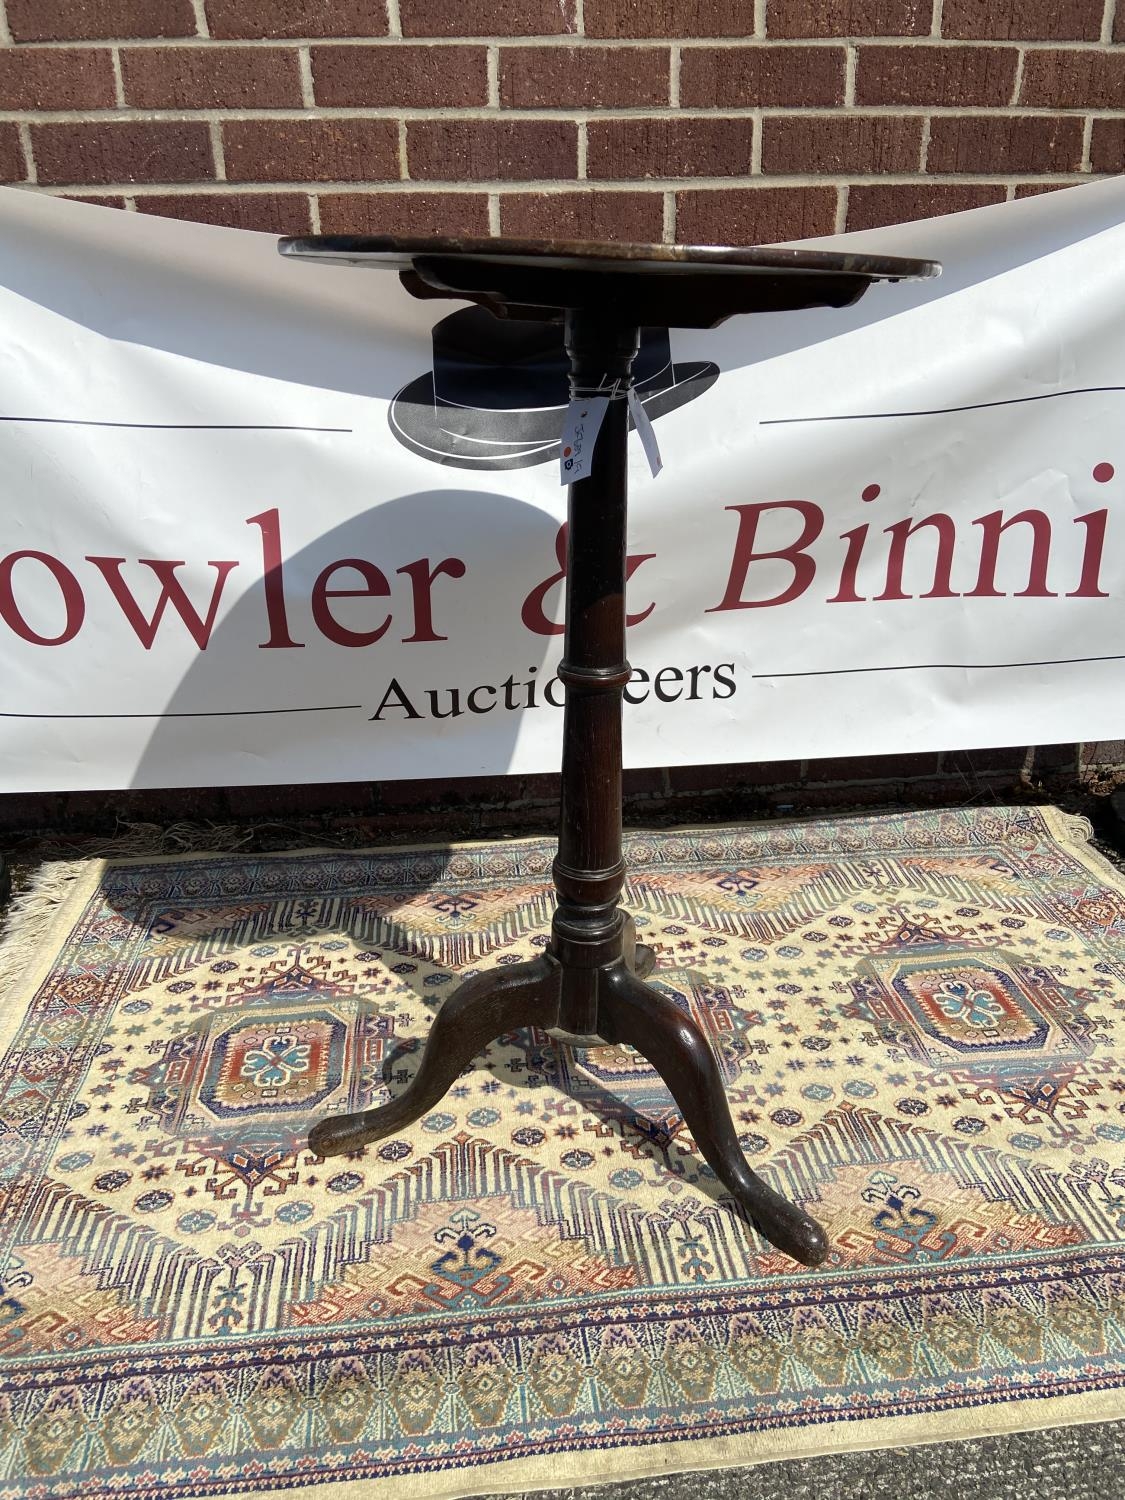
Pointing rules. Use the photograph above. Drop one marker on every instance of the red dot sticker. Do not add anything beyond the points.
(566, 452)
(1103, 473)
(872, 492)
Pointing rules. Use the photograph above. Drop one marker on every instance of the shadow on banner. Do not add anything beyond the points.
(374, 652)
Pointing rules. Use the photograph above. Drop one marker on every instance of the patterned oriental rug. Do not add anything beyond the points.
(920, 1019)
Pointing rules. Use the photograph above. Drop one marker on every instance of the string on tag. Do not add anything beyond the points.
(584, 418)
(612, 390)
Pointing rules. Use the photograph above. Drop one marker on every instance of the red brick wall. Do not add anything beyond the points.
(645, 119)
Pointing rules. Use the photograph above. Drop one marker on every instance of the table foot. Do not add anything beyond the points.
(632, 1011)
(477, 1012)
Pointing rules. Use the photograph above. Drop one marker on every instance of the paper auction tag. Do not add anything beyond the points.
(584, 417)
(644, 431)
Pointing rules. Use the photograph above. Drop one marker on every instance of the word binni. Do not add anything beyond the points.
(887, 561)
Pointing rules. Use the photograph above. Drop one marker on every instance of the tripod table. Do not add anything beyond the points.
(590, 982)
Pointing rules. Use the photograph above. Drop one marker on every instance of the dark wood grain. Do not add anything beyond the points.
(399, 251)
(591, 981)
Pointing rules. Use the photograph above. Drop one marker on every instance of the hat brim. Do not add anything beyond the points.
(514, 439)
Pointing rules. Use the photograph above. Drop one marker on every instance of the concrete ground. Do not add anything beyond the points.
(1085, 1462)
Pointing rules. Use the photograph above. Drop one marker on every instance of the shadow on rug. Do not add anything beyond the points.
(919, 1018)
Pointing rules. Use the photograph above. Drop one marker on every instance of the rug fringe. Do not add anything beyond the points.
(176, 838)
(1078, 826)
(136, 840)
(30, 915)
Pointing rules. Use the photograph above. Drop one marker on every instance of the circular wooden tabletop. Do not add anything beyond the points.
(401, 252)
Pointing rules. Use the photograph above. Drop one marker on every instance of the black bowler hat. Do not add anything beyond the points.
(497, 395)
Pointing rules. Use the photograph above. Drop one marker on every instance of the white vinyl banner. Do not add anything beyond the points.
(264, 521)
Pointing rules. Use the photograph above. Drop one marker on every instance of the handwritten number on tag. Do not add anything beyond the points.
(584, 418)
